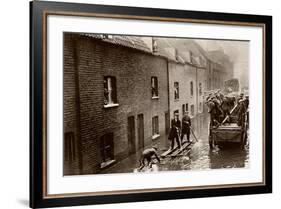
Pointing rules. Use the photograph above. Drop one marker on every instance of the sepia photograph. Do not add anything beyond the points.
(136, 104)
(132, 104)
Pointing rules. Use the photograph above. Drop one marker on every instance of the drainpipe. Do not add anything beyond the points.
(168, 89)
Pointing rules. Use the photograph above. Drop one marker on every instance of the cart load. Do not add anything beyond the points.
(228, 126)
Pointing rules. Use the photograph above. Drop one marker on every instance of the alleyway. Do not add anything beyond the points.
(200, 156)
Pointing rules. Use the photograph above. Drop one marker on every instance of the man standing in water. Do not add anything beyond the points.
(175, 131)
(186, 123)
(147, 155)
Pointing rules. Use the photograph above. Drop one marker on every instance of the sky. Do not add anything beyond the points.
(238, 52)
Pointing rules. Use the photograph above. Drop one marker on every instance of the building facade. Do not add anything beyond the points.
(115, 100)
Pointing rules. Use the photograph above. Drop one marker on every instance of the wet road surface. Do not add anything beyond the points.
(199, 157)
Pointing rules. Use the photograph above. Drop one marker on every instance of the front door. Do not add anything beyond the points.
(167, 122)
(140, 131)
(131, 135)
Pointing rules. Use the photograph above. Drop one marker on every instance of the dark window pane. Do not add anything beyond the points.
(107, 147)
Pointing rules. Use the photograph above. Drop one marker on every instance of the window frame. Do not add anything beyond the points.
(200, 89)
(155, 127)
(154, 80)
(191, 88)
(110, 85)
(192, 110)
(186, 107)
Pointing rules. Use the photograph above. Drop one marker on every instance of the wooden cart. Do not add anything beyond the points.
(228, 134)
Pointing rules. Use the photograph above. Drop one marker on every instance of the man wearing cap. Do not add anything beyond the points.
(175, 131)
(225, 106)
(241, 111)
(241, 97)
(147, 154)
(186, 123)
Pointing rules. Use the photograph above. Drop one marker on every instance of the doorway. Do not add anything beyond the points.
(131, 135)
(140, 131)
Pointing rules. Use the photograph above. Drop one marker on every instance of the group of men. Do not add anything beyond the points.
(220, 107)
(179, 129)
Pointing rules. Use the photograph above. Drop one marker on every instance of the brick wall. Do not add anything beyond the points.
(69, 103)
(133, 70)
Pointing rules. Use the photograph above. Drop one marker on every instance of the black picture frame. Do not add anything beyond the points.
(38, 11)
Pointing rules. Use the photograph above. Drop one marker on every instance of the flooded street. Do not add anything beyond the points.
(202, 157)
(199, 157)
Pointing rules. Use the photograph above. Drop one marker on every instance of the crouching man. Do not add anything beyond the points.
(147, 155)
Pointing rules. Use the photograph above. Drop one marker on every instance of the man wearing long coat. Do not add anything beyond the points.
(186, 123)
(175, 131)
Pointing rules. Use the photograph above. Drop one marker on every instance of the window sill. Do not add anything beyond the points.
(176, 100)
(155, 136)
(156, 97)
(111, 105)
(107, 163)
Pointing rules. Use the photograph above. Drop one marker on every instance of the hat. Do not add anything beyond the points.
(176, 114)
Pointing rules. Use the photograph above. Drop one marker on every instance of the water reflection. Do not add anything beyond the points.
(201, 157)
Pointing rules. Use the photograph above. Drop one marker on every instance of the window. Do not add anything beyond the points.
(191, 88)
(110, 91)
(186, 107)
(69, 147)
(176, 90)
(200, 107)
(155, 126)
(200, 89)
(154, 87)
(107, 147)
(192, 110)
(183, 109)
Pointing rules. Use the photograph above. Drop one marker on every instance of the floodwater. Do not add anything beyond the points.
(199, 157)
(202, 157)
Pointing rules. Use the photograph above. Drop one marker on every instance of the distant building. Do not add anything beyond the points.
(221, 68)
(115, 100)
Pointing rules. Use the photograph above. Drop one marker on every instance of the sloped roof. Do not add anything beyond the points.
(127, 41)
(184, 47)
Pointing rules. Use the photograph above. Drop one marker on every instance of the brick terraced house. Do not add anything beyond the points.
(115, 100)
